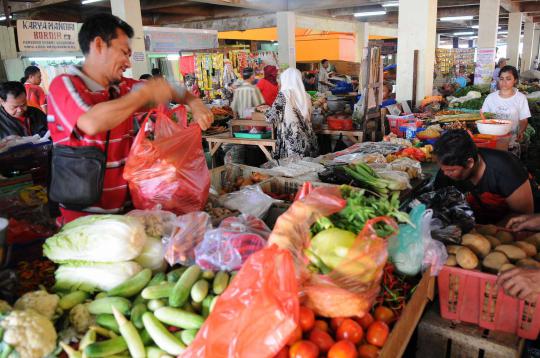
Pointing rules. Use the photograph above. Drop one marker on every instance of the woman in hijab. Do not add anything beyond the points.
(268, 85)
(291, 116)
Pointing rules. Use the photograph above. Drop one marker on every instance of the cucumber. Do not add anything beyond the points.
(145, 337)
(100, 295)
(206, 305)
(131, 335)
(104, 305)
(213, 303)
(175, 274)
(208, 275)
(132, 286)
(179, 318)
(163, 290)
(155, 304)
(155, 352)
(157, 279)
(139, 299)
(188, 336)
(136, 314)
(108, 321)
(163, 338)
(199, 290)
(197, 307)
(89, 337)
(106, 348)
(220, 282)
(72, 299)
(182, 288)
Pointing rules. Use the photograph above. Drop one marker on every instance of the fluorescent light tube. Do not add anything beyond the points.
(370, 13)
(456, 18)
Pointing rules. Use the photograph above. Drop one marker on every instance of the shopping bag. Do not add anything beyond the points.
(166, 167)
(257, 313)
(351, 288)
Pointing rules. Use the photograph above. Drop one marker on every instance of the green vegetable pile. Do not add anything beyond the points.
(483, 89)
(475, 104)
(366, 176)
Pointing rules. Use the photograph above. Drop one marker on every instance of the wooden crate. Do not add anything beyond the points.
(224, 177)
(404, 328)
(438, 337)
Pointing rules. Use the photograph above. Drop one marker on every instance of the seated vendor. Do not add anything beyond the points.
(388, 98)
(16, 117)
(496, 183)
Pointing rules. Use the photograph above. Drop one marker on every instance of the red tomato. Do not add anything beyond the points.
(304, 349)
(366, 320)
(322, 325)
(377, 333)
(384, 314)
(283, 353)
(307, 319)
(351, 331)
(343, 349)
(336, 322)
(295, 336)
(368, 351)
(322, 339)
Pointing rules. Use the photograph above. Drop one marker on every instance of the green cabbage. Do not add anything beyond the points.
(97, 238)
(92, 276)
(152, 255)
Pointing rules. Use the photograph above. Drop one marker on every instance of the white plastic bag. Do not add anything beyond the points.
(251, 200)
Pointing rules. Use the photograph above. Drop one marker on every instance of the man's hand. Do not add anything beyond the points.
(201, 114)
(157, 91)
(521, 283)
(524, 222)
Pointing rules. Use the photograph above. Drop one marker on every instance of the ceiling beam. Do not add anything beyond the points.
(264, 5)
(231, 24)
(512, 6)
(315, 5)
(530, 7)
(324, 24)
(157, 4)
(25, 6)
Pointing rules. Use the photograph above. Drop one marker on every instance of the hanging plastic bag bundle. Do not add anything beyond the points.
(166, 167)
(349, 287)
(256, 314)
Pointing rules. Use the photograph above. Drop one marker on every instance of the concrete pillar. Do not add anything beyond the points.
(416, 35)
(438, 40)
(488, 23)
(361, 35)
(286, 24)
(536, 44)
(130, 12)
(528, 39)
(455, 42)
(514, 38)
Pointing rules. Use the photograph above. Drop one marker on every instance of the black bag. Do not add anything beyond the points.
(77, 175)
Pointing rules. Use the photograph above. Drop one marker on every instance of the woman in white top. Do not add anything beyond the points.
(509, 103)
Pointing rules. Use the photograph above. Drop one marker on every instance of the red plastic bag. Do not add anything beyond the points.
(257, 313)
(351, 288)
(166, 167)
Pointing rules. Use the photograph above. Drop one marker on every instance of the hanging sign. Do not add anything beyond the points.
(485, 65)
(37, 35)
(170, 40)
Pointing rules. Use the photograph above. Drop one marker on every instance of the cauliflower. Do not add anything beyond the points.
(80, 318)
(40, 301)
(31, 334)
(4, 306)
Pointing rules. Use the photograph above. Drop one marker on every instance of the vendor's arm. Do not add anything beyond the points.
(524, 222)
(521, 283)
(521, 200)
(524, 115)
(107, 115)
(522, 127)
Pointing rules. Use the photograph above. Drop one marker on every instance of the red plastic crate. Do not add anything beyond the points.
(469, 296)
(338, 124)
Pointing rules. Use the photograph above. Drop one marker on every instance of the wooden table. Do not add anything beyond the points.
(215, 142)
(356, 136)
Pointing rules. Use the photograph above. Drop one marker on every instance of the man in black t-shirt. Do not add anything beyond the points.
(495, 182)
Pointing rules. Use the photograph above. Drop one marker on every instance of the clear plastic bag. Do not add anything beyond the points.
(229, 246)
(250, 200)
(400, 178)
(351, 288)
(157, 223)
(410, 166)
(187, 233)
(166, 167)
(256, 314)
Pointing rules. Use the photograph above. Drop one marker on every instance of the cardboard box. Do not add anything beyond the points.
(347, 68)
(403, 329)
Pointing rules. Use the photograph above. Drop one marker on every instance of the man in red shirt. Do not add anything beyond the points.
(91, 100)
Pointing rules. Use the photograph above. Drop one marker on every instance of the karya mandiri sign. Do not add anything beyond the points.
(37, 35)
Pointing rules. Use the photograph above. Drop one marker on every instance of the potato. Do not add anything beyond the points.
(466, 258)
(451, 261)
(512, 252)
(478, 243)
(493, 241)
(528, 263)
(529, 248)
(487, 229)
(505, 237)
(506, 267)
(535, 240)
(453, 249)
(494, 261)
